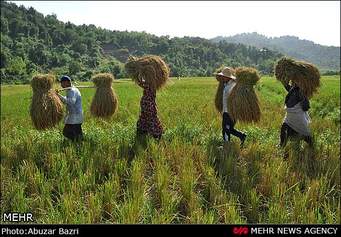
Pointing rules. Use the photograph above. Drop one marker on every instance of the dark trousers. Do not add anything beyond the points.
(142, 133)
(287, 132)
(73, 132)
(228, 128)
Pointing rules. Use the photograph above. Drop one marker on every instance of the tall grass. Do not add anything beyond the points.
(187, 177)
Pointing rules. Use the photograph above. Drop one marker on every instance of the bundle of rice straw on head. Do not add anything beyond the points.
(150, 68)
(104, 103)
(243, 104)
(305, 75)
(46, 108)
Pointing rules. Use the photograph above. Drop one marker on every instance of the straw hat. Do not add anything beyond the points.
(226, 72)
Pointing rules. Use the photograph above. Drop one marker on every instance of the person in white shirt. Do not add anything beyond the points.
(74, 118)
(226, 76)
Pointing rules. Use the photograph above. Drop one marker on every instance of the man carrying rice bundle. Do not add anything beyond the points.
(74, 118)
(226, 84)
(305, 80)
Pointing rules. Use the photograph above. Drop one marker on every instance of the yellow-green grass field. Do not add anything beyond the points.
(184, 178)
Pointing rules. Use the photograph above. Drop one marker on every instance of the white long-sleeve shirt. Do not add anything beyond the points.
(73, 101)
(228, 86)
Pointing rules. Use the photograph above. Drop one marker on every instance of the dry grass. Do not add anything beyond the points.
(218, 101)
(151, 68)
(104, 103)
(186, 177)
(305, 75)
(243, 103)
(46, 108)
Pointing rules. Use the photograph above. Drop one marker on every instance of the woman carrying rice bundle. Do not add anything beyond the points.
(151, 73)
(297, 118)
(304, 79)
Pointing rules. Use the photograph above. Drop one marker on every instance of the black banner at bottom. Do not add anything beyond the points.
(172, 230)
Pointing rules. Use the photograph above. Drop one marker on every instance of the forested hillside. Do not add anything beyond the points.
(325, 57)
(32, 42)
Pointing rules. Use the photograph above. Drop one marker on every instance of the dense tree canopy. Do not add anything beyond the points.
(32, 42)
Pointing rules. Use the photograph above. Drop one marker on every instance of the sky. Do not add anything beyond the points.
(318, 21)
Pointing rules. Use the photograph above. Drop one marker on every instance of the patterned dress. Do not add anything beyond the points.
(148, 122)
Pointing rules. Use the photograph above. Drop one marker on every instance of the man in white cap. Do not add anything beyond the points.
(227, 77)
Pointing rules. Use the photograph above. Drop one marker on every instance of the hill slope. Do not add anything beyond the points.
(32, 42)
(325, 57)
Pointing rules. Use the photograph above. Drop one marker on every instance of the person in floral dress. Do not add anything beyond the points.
(148, 123)
(151, 73)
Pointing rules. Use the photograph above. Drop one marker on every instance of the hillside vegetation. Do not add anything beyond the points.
(32, 42)
(327, 58)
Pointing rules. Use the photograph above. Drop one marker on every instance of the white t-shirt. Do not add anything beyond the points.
(228, 86)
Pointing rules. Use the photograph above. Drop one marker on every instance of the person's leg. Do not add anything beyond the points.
(81, 132)
(291, 133)
(74, 132)
(284, 139)
(155, 128)
(68, 131)
(158, 137)
(140, 139)
(77, 137)
(309, 140)
(234, 131)
(240, 135)
(284, 135)
(78, 132)
(223, 128)
(226, 128)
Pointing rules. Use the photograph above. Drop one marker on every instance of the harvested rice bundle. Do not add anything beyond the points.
(46, 108)
(243, 104)
(151, 68)
(104, 103)
(219, 97)
(305, 75)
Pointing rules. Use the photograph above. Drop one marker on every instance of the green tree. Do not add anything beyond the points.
(74, 67)
(16, 66)
(4, 26)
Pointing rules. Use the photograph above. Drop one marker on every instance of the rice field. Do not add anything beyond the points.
(186, 177)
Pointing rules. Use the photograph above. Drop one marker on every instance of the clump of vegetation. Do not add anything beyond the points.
(47, 44)
(46, 108)
(150, 69)
(183, 178)
(105, 102)
(305, 75)
(243, 103)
